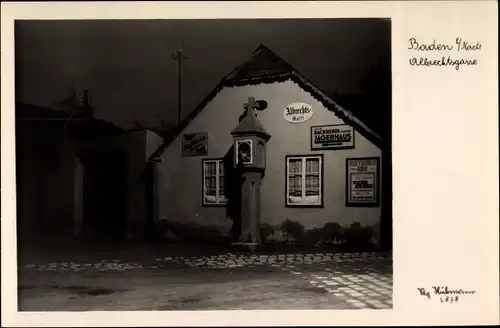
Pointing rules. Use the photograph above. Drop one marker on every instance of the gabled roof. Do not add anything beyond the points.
(263, 62)
(250, 124)
(263, 67)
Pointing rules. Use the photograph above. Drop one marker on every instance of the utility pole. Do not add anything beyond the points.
(178, 56)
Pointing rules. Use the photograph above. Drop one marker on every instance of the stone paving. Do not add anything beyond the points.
(361, 288)
(362, 280)
(224, 261)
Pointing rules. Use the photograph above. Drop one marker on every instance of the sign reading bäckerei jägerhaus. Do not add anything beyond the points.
(332, 137)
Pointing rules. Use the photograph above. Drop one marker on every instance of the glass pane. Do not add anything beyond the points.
(312, 165)
(312, 185)
(210, 186)
(295, 166)
(210, 169)
(295, 186)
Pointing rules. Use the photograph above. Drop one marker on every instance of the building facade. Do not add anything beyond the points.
(322, 180)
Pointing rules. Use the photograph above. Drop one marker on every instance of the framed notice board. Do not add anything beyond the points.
(195, 144)
(363, 182)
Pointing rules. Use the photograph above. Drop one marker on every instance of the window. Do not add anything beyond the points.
(213, 182)
(304, 181)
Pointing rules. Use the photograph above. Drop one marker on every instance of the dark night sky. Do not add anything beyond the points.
(128, 67)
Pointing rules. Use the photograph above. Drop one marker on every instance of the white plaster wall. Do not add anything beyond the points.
(153, 142)
(179, 182)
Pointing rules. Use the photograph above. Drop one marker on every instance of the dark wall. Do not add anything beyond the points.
(124, 156)
(47, 150)
(44, 176)
(105, 196)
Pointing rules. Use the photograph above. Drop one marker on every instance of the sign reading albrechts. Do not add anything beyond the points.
(195, 144)
(332, 137)
(298, 112)
(362, 185)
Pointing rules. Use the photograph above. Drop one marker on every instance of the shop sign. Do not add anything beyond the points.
(332, 137)
(298, 112)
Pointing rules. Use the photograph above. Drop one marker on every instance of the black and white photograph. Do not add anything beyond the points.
(203, 164)
(249, 163)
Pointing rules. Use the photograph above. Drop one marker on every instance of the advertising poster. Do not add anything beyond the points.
(362, 183)
(195, 144)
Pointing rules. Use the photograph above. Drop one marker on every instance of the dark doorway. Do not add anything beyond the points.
(105, 196)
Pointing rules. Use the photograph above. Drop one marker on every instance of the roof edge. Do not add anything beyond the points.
(297, 77)
(348, 114)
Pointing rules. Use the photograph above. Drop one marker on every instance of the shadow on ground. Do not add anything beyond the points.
(170, 290)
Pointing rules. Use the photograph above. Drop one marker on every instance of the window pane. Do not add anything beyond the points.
(210, 169)
(312, 165)
(222, 196)
(295, 186)
(312, 185)
(295, 166)
(210, 186)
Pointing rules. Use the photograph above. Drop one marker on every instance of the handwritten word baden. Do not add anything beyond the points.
(460, 45)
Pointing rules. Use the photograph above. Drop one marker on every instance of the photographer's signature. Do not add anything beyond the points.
(445, 293)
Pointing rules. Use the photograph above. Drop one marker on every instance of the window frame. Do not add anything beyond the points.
(321, 180)
(250, 142)
(217, 177)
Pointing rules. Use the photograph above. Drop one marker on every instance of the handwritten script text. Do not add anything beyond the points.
(460, 46)
(444, 293)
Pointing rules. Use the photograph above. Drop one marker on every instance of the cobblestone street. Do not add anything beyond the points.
(217, 282)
